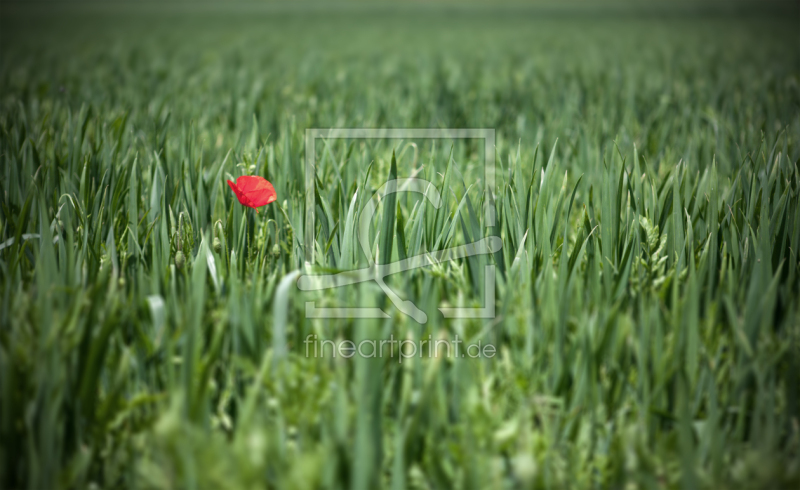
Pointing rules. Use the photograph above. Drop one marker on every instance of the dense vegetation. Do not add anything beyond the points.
(647, 195)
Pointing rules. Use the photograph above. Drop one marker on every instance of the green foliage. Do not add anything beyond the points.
(647, 329)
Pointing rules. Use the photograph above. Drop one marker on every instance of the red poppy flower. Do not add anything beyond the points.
(253, 191)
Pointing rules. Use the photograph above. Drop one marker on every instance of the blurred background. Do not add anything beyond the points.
(533, 70)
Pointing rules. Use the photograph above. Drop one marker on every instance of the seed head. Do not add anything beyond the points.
(179, 260)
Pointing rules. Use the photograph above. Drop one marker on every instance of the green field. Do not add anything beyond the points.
(647, 193)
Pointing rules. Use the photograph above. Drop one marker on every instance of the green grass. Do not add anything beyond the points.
(648, 198)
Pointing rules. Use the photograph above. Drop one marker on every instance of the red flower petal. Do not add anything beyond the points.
(253, 191)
